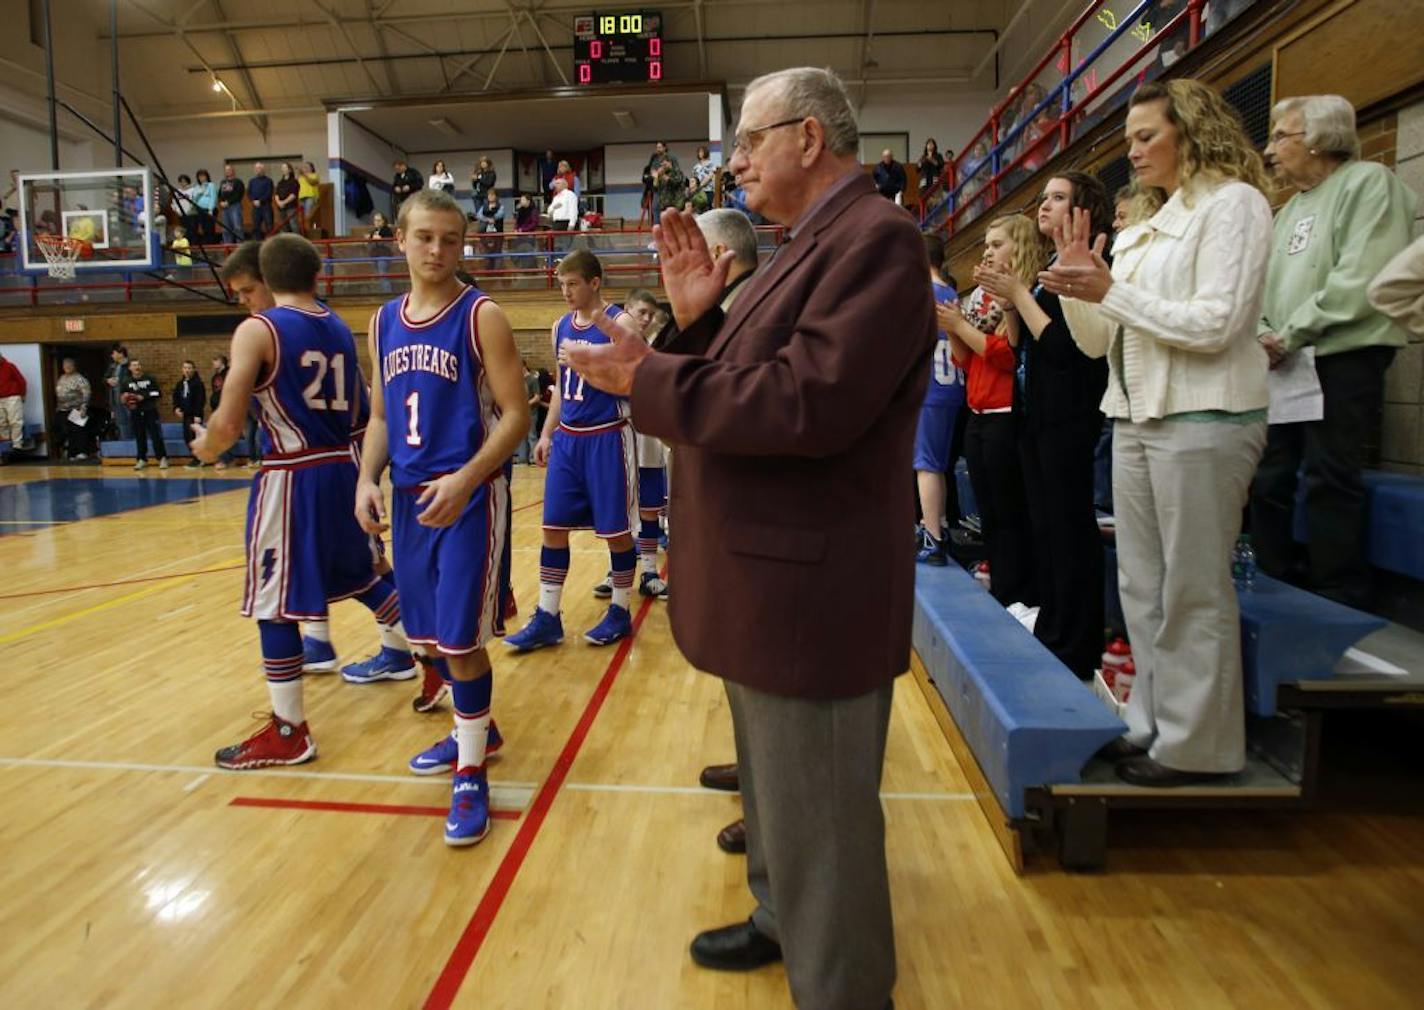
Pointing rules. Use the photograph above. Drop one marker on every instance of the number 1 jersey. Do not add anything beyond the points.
(439, 406)
(309, 398)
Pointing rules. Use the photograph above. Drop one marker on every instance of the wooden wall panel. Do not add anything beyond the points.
(1350, 50)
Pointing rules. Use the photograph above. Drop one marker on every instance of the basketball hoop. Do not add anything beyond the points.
(60, 252)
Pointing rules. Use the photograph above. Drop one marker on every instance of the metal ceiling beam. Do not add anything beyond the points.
(247, 81)
(469, 65)
(340, 27)
(545, 43)
(701, 41)
(392, 82)
(429, 49)
(867, 20)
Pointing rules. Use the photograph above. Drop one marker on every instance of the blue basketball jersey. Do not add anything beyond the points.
(308, 399)
(946, 380)
(439, 406)
(581, 405)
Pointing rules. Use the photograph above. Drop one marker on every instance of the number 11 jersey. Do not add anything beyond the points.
(582, 406)
(439, 406)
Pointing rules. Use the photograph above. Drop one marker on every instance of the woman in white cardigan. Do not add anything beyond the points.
(1176, 314)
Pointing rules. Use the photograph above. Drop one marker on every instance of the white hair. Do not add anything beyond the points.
(1329, 123)
(729, 227)
(814, 93)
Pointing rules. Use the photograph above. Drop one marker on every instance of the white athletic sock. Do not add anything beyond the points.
(621, 595)
(471, 735)
(393, 637)
(550, 597)
(320, 630)
(649, 562)
(287, 702)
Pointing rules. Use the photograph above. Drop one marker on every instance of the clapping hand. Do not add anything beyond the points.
(947, 314)
(1000, 283)
(609, 366)
(1080, 270)
(693, 280)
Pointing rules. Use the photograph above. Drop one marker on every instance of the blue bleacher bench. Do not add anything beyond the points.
(1029, 721)
(1394, 537)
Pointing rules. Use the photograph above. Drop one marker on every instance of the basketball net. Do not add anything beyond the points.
(60, 252)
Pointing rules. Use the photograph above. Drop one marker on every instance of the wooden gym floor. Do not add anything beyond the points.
(134, 874)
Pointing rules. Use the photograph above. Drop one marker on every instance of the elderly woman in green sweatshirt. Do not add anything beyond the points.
(1347, 220)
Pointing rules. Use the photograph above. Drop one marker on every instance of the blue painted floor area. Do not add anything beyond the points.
(40, 504)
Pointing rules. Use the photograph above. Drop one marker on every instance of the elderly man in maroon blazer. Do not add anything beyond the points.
(793, 416)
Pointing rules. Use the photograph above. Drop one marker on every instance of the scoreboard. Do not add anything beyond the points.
(624, 46)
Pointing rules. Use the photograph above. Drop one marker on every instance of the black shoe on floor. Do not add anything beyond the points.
(741, 947)
(1119, 750)
(1143, 771)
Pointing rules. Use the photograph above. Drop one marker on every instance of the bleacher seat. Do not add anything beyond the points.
(1394, 537)
(127, 448)
(1027, 719)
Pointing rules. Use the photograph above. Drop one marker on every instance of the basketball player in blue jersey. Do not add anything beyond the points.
(447, 410)
(298, 362)
(939, 415)
(592, 481)
(242, 273)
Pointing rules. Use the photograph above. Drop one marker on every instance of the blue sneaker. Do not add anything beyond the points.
(469, 808)
(616, 624)
(442, 755)
(932, 553)
(388, 664)
(317, 656)
(543, 629)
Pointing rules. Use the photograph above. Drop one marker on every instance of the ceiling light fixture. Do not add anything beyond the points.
(625, 119)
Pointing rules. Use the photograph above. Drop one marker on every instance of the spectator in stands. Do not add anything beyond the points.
(563, 211)
(259, 194)
(440, 178)
(309, 196)
(117, 379)
(1176, 317)
(380, 236)
(664, 174)
(230, 192)
(12, 404)
(482, 181)
(703, 182)
(205, 197)
(1172, 46)
(286, 198)
(1219, 12)
(525, 452)
(570, 177)
(180, 247)
(1057, 392)
(547, 167)
(1347, 220)
(215, 397)
(526, 213)
(940, 418)
(1398, 290)
(983, 332)
(931, 168)
(1122, 209)
(11, 199)
(188, 401)
(490, 224)
(143, 395)
(889, 176)
(71, 398)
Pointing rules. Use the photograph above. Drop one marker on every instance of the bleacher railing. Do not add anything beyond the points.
(1070, 90)
(360, 266)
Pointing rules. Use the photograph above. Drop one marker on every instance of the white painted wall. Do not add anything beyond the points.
(24, 137)
(26, 358)
(188, 145)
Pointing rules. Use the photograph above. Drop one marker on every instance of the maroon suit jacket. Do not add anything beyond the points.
(793, 418)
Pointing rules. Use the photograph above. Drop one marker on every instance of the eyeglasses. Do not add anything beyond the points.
(745, 142)
(1280, 135)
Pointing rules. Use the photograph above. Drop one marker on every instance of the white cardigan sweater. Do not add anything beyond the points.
(1179, 322)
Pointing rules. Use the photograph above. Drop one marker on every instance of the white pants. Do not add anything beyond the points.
(1179, 488)
(12, 419)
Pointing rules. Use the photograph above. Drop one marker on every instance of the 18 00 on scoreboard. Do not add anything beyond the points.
(619, 46)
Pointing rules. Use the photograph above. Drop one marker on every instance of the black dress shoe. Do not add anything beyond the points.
(723, 777)
(733, 838)
(735, 948)
(1143, 771)
(1119, 750)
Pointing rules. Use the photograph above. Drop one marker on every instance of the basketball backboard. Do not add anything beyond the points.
(110, 211)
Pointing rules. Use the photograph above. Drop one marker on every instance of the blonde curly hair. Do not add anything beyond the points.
(1212, 146)
(1031, 249)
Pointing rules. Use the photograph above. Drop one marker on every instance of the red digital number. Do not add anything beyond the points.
(595, 49)
(655, 70)
(655, 47)
(585, 73)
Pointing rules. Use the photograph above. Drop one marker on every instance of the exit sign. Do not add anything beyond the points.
(74, 326)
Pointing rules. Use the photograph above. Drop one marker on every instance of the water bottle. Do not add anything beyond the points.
(1243, 563)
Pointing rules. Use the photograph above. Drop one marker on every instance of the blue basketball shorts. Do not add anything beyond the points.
(592, 482)
(652, 487)
(934, 436)
(449, 577)
(304, 546)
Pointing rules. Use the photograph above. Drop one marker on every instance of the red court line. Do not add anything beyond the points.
(121, 582)
(468, 946)
(530, 505)
(358, 808)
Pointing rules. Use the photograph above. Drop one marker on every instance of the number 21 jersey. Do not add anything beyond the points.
(308, 399)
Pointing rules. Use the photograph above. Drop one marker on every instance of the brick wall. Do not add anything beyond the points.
(164, 358)
(1402, 434)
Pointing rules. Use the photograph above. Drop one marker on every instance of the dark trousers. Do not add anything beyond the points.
(254, 440)
(146, 426)
(1067, 548)
(261, 220)
(1331, 453)
(810, 782)
(991, 448)
(188, 433)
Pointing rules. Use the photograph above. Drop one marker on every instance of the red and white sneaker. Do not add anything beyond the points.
(277, 743)
(433, 690)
